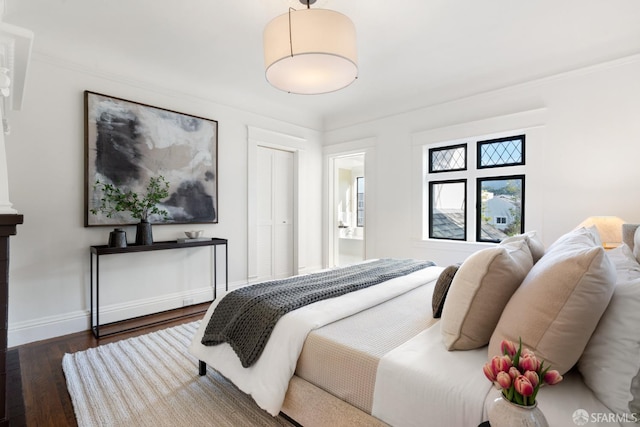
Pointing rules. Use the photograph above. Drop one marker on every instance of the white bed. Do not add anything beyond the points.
(376, 356)
(267, 380)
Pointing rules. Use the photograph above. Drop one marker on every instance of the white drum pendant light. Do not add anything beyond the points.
(310, 51)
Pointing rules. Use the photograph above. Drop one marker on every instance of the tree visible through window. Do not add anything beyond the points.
(501, 207)
(499, 200)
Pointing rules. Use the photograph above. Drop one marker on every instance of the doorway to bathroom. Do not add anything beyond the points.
(349, 203)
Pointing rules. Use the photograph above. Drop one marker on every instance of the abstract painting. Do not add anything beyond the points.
(127, 143)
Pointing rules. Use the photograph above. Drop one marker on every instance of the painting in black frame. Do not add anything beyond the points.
(126, 143)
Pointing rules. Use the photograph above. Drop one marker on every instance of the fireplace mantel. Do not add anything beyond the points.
(8, 227)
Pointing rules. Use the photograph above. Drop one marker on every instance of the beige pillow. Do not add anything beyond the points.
(559, 304)
(533, 241)
(479, 291)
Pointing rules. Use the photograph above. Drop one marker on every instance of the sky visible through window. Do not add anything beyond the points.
(501, 152)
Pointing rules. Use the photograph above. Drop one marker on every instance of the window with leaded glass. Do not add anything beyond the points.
(501, 152)
(448, 209)
(448, 159)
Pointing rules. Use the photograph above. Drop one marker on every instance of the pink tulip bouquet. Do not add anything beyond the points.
(519, 373)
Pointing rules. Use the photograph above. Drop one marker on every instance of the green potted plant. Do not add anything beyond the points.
(115, 199)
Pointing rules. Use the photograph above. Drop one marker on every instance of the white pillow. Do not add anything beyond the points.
(581, 236)
(627, 266)
(634, 406)
(533, 241)
(611, 358)
(596, 234)
(636, 244)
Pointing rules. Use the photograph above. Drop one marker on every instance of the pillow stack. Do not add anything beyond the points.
(575, 304)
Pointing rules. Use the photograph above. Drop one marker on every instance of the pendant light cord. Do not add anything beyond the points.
(290, 36)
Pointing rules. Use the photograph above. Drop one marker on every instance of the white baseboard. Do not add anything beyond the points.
(47, 327)
(20, 333)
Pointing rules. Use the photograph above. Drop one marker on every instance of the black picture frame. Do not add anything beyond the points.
(127, 143)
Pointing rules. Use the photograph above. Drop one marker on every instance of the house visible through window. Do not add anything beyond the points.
(501, 202)
(495, 187)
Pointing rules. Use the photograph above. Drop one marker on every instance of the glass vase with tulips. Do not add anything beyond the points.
(519, 373)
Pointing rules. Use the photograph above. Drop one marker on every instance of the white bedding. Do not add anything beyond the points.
(422, 383)
(418, 383)
(267, 380)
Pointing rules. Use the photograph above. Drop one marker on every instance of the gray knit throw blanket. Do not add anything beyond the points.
(246, 317)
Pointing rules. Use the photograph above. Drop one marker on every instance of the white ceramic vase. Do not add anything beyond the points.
(503, 413)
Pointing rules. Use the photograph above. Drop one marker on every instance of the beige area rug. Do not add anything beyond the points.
(152, 380)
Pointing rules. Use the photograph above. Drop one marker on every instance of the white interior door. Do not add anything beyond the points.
(275, 213)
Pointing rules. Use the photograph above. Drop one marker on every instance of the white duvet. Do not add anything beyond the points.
(421, 383)
(268, 379)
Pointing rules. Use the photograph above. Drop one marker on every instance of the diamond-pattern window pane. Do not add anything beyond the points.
(447, 159)
(501, 152)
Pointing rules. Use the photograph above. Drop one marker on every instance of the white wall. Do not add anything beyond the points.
(49, 271)
(582, 158)
(581, 162)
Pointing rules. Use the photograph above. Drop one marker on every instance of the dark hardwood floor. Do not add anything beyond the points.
(46, 401)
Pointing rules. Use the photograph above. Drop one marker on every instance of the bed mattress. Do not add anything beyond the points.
(342, 357)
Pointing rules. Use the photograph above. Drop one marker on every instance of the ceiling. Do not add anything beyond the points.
(411, 54)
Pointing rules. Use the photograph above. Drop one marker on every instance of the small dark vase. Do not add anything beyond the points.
(144, 235)
(118, 238)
